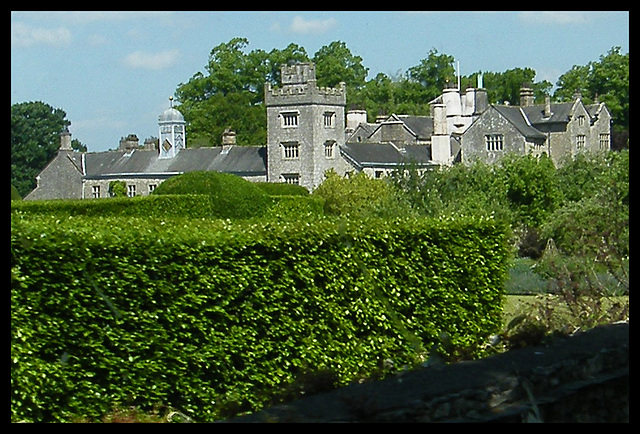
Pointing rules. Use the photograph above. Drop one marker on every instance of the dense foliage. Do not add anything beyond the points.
(581, 207)
(606, 80)
(215, 317)
(231, 91)
(35, 138)
(234, 197)
(359, 196)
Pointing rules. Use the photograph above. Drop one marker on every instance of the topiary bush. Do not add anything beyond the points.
(235, 197)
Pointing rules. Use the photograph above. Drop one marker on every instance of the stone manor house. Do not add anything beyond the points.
(308, 133)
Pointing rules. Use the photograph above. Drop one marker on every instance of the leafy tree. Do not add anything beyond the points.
(231, 92)
(35, 138)
(335, 63)
(118, 189)
(376, 96)
(360, 196)
(606, 79)
(505, 86)
(433, 74)
(531, 190)
(478, 189)
(408, 93)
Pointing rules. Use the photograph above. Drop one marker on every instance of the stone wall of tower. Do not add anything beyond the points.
(305, 127)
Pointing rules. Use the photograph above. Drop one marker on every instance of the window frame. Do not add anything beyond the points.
(290, 119)
(494, 142)
(290, 150)
(291, 178)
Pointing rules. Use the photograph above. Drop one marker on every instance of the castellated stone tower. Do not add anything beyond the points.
(305, 127)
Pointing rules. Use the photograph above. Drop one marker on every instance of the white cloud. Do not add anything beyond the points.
(554, 17)
(153, 61)
(24, 35)
(300, 25)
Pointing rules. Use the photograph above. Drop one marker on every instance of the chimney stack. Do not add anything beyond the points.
(547, 106)
(526, 96)
(355, 118)
(65, 140)
(439, 119)
(228, 140)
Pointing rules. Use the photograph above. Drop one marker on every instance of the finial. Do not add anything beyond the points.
(171, 101)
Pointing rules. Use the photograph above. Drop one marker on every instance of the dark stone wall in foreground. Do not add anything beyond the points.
(580, 378)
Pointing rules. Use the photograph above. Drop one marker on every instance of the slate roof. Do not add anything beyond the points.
(385, 154)
(239, 160)
(559, 113)
(519, 119)
(422, 126)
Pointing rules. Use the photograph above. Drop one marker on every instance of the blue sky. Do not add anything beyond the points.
(113, 72)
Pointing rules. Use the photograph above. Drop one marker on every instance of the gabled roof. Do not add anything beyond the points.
(385, 154)
(595, 109)
(363, 130)
(420, 127)
(516, 116)
(240, 160)
(560, 113)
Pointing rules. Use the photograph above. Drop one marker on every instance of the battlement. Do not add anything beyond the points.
(307, 93)
(299, 87)
(297, 73)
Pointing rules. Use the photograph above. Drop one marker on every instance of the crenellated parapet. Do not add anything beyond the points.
(299, 86)
(305, 93)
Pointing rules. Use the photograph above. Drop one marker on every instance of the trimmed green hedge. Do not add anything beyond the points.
(214, 318)
(171, 206)
(165, 206)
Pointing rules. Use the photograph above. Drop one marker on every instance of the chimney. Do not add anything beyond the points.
(439, 119)
(65, 140)
(526, 96)
(482, 101)
(355, 118)
(547, 106)
(228, 140)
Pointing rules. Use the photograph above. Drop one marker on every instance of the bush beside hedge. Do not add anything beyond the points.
(214, 318)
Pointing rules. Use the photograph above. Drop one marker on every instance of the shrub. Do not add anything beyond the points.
(14, 193)
(360, 196)
(235, 197)
(295, 208)
(212, 318)
(161, 206)
(531, 190)
(117, 189)
(282, 189)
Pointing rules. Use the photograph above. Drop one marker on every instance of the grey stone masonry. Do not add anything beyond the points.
(305, 127)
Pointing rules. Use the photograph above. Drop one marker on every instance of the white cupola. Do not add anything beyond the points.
(172, 132)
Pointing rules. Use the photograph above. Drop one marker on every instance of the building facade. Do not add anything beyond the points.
(309, 133)
(305, 127)
(558, 130)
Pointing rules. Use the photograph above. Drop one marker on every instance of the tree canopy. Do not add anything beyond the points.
(230, 93)
(35, 138)
(606, 80)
